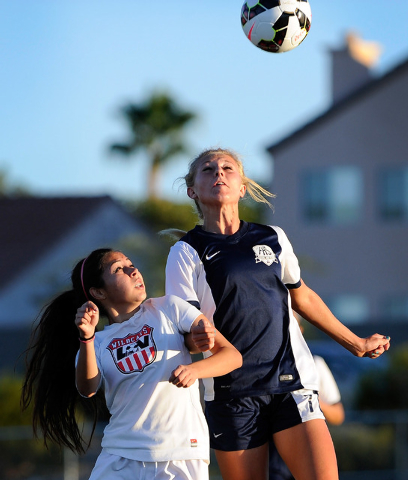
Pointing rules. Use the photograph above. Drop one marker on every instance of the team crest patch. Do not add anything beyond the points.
(264, 254)
(135, 351)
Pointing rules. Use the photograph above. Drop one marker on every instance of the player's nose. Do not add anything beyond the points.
(132, 271)
(218, 171)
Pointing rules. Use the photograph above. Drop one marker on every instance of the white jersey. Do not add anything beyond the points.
(328, 390)
(241, 283)
(151, 420)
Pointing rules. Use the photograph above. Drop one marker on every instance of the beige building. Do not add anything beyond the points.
(342, 191)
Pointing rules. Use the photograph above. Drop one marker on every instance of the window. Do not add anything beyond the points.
(333, 195)
(349, 308)
(394, 193)
(396, 307)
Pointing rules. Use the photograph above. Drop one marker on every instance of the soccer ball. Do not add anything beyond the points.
(276, 25)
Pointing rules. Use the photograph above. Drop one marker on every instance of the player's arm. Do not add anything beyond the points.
(87, 375)
(225, 358)
(312, 308)
(329, 393)
(334, 413)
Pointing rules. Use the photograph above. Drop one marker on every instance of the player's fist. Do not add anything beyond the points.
(376, 345)
(86, 319)
(203, 335)
(183, 376)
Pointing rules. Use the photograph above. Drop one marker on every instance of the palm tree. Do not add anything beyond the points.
(7, 189)
(156, 126)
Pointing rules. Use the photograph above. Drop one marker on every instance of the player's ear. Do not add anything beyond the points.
(242, 190)
(191, 193)
(97, 293)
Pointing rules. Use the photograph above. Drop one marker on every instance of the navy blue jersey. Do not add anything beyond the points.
(241, 282)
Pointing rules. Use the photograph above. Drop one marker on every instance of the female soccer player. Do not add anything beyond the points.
(246, 279)
(156, 430)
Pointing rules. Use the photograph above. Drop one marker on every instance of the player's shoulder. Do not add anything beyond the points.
(268, 229)
(156, 302)
(281, 234)
(167, 301)
(191, 235)
(188, 240)
(191, 246)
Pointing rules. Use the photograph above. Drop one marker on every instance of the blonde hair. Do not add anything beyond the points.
(255, 191)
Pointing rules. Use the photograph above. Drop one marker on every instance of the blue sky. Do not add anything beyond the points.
(68, 66)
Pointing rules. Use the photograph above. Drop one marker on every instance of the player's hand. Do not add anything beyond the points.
(203, 335)
(183, 376)
(86, 319)
(376, 345)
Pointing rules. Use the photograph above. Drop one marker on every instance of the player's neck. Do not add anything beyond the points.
(120, 315)
(223, 222)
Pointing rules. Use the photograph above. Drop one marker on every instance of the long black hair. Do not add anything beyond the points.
(50, 358)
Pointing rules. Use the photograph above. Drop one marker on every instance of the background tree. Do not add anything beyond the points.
(157, 127)
(7, 189)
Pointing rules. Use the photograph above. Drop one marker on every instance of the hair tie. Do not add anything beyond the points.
(87, 340)
(82, 278)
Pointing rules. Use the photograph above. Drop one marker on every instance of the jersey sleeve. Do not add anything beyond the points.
(288, 260)
(181, 277)
(181, 313)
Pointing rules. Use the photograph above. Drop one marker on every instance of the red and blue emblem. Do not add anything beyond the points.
(135, 351)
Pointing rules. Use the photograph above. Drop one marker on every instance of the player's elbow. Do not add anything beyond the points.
(340, 415)
(87, 388)
(237, 359)
(85, 394)
(334, 413)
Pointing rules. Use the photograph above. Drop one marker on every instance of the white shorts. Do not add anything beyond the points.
(113, 467)
(249, 422)
(308, 405)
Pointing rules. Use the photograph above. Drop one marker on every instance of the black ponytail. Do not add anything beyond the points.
(50, 376)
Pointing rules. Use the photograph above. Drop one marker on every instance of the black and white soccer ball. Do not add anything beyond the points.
(276, 26)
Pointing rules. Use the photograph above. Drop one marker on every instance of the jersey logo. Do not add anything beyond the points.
(135, 351)
(264, 254)
(209, 257)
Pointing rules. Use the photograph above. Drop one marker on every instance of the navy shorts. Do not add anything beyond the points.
(249, 422)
